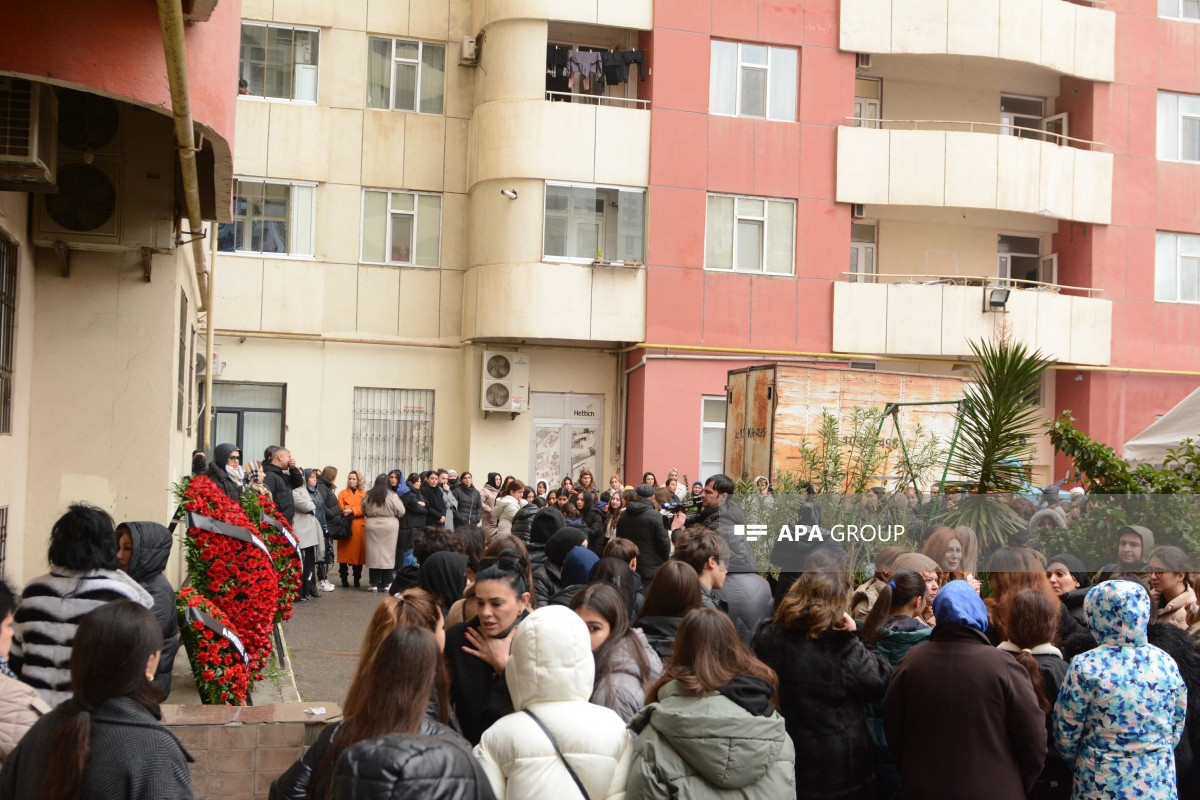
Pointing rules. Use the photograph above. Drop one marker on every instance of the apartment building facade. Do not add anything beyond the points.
(453, 244)
(99, 285)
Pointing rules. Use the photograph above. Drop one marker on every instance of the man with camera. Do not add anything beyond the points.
(747, 593)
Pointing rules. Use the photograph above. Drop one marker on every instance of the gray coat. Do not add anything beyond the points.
(622, 690)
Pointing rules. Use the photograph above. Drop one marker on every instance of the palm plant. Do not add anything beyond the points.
(999, 416)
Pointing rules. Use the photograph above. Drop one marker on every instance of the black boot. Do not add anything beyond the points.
(357, 576)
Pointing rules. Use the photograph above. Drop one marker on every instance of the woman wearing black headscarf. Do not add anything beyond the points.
(548, 579)
(435, 502)
(444, 575)
(1070, 581)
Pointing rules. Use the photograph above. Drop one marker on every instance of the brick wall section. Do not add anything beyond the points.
(239, 751)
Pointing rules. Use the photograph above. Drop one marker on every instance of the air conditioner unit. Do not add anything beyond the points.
(28, 117)
(504, 385)
(863, 61)
(857, 211)
(469, 52)
(115, 177)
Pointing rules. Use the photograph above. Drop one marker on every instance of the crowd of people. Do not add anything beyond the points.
(622, 642)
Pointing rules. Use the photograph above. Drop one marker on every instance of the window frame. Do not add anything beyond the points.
(359, 410)
(271, 99)
(312, 236)
(871, 246)
(387, 242)
(704, 426)
(766, 68)
(766, 237)
(1178, 17)
(581, 185)
(1179, 255)
(240, 411)
(419, 62)
(10, 258)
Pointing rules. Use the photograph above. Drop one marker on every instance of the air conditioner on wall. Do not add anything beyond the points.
(115, 176)
(28, 118)
(504, 383)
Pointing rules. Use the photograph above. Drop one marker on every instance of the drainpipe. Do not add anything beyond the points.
(170, 17)
(208, 344)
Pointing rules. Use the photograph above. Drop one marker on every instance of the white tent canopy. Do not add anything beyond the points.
(1181, 422)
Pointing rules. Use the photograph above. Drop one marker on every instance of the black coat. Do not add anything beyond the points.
(280, 484)
(480, 697)
(660, 633)
(642, 524)
(522, 525)
(405, 766)
(593, 520)
(547, 582)
(1179, 645)
(435, 504)
(824, 686)
(470, 505)
(151, 543)
(224, 482)
(993, 744)
(413, 521)
(724, 520)
(132, 756)
(334, 521)
(295, 783)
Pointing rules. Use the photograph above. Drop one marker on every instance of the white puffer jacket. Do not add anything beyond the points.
(550, 672)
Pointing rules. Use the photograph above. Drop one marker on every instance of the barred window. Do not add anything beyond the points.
(8, 326)
(393, 429)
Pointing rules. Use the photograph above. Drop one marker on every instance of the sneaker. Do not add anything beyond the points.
(373, 589)
(326, 586)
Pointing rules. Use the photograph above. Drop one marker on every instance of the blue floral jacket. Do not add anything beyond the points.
(1121, 708)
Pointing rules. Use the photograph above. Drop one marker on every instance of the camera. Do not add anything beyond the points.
(689, 506)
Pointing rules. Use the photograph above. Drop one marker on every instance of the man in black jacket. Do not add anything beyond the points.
(643, 524)
(281, 476)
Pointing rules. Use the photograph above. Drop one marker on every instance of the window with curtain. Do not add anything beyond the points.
(250, 415)
(751, 80)
(1179, 9)
(750, 234)
(1178, 127)
(279, 61)
(401, 228)
(588, 222)
(406, 75)
(1176, 268)
(269, 217)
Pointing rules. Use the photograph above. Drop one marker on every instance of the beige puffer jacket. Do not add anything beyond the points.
(20, 707)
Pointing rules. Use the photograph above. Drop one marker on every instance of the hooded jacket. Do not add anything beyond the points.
(1182, 648)
(995, 743)
(711, 747)
(504, 512)
(660, 634)
(305, 526)
(470, 505)
(406, 766)
(550, 672)
(642, 524)
(151, 547)
(622, 689)
(1122, 706)
(824, 686)
(217, 474)
(334, 521)
(523, 522)
(1133, 572)
(48, 615)
(546, 522)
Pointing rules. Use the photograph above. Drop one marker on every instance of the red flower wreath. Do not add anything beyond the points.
(238, 577)
(283, 549)
(222, 677)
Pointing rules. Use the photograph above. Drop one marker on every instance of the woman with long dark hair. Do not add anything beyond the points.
(1171, 592)
(826, 676)
(382, 510)
(711, 726)
(674, 592)
(106, 740)
(626, 665)
(392, 696)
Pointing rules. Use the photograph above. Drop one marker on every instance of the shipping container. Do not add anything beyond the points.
(772, 409)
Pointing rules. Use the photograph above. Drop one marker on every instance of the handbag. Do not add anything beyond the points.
(341, 527)
(553, 741)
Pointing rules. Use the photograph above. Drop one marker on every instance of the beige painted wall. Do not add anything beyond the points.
(1064, 37)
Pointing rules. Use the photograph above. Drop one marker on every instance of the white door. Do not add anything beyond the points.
(862, 262)
(1056, 125)
(566, 432)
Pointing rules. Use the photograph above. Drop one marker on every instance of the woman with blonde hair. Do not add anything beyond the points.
(352, 552)
(826, 676)
(927, 568)
(956, 550)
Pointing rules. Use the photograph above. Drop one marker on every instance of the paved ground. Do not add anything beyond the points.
(323, 637)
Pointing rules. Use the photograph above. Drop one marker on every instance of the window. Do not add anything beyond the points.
(1178, 127)
(712, 437)
(279, 62)
(1177, 268)
(1179, 9)
(862, 252)
(8, 328)
(182, 380)
(269, 217)
(868, 93)
(393, 429)
(750, 234)
(1023, 114)
(1019, 258)
(751, 80)
(401, 228)
(250, 415)
(406, 75)
(586, 222)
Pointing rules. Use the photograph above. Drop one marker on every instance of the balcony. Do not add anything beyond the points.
(1064, 37)
(607, 143)
(622, 13)
(937, 317)
(969, 169)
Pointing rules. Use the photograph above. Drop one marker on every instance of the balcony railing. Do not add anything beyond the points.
(1005, 129)
(926, 279)
(597, 99)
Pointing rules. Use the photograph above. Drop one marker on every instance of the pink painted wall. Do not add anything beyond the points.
(115, 47)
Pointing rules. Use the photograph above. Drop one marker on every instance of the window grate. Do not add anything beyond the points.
(393, 429)
(8, 328)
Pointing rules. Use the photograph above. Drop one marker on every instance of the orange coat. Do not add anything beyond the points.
(354, 549)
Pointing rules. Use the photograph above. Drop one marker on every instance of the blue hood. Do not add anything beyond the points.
(1117, 613)
(957, 603)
